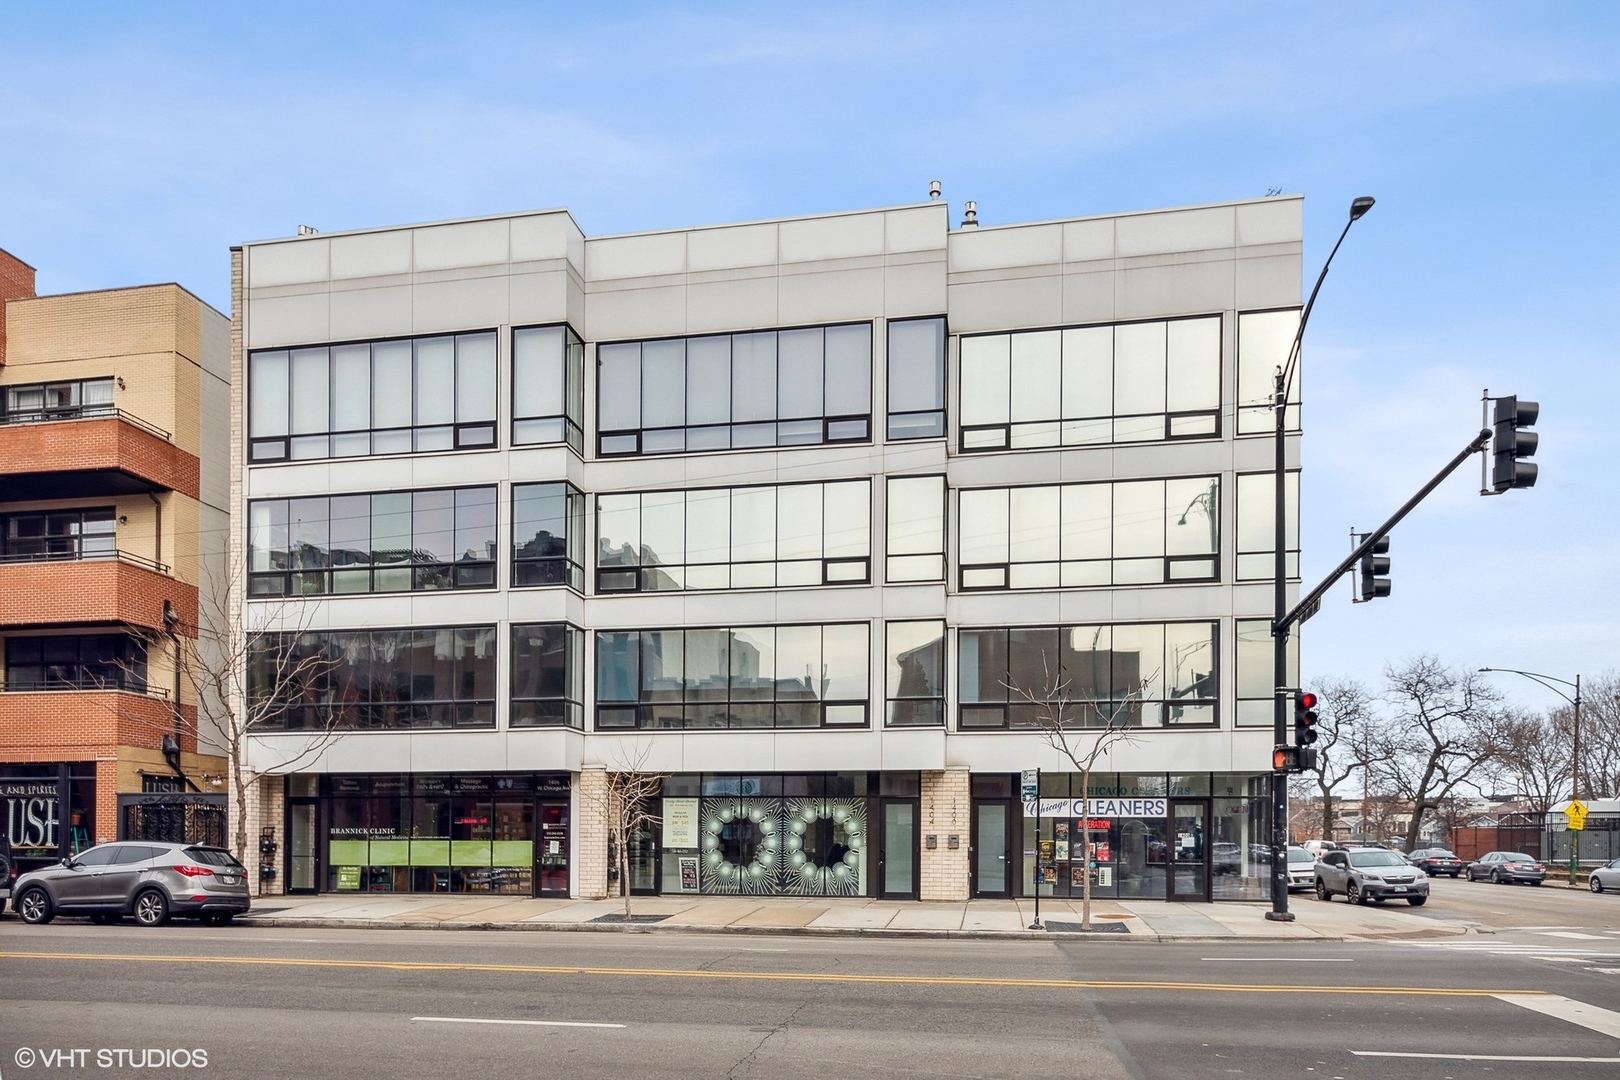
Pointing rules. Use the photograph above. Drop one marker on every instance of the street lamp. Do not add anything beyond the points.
(1279, 632)
(1575, 767)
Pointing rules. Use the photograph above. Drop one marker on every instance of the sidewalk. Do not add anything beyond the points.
(1005, 919)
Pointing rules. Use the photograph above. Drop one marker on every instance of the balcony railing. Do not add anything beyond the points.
(126, 684)
(58, 413)
(70, 550)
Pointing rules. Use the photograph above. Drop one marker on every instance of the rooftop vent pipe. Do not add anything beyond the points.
(970, 215)
(933, 191)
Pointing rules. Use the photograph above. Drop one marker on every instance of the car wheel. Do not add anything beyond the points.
(218, 919)
(1322, 891)
(1417, 901)
(1496, 879)
(1595, 885)
(1354, 895)
(35, 907)
(152, 908)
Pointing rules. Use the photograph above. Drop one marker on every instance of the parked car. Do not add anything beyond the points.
(1506, 868)
(8, 870)
(149, 881)
(1436, 861)
(1363, 874)
(1605, 877)
(1227, 857)
(1318, 847)
(1301, 868)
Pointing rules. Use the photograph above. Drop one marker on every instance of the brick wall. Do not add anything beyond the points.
(947, 808)
(87, 725)
(591, 836)
(16, 280)
(83, 445)
(266, 808)
(91, 591)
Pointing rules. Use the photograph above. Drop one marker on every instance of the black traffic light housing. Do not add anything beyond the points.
(1305, 718)
(1374, 568)
(1514, 443)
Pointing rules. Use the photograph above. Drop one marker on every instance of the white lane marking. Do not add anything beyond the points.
(521, 1023)
(1478, 1057)
(1559, 1007)
(1571, 934)
(1608, 971)
(1279, 959)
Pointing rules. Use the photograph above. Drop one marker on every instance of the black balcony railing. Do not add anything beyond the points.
(55, 413)
(79, 549)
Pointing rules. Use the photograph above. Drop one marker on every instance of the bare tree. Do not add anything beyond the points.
(1600, 737)
(1445, 727)
(1348, 743)
(1537, 751)
(1083, 728)
(626, 804)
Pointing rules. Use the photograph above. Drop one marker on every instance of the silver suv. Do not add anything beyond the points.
(150, 881)
(1364, 874)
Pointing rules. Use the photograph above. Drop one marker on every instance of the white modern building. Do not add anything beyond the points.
(806, 516)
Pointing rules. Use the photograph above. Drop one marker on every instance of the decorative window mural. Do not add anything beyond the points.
(788, 846)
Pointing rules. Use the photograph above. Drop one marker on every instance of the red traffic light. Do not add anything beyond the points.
(1307, 701)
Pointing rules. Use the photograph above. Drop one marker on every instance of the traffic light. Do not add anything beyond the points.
(1305, 719)
(1513, 444)
(1374, 565)
(1293, 759)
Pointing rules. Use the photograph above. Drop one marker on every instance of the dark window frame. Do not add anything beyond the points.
(549, 710)
(573, 390)
(943, 412)
(77, 411)
(545, 568)
(28, 670)
(68, 546)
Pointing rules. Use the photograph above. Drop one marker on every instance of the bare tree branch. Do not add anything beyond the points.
(626, 802)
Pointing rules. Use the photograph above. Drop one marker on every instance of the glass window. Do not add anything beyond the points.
(766, 388)
(548, 675)
(915, 523)
(914, 662)
(87, 533)
(916, 379)
(386, 542)
(747, 677)
(384, 397)
(1078, 535)
(1092, 385)
(76, 662)
(1133, 674)
(1257, 525)
(790, 536)
(548, 535)
(1256, 660)
(1264, 338)
(373, 679)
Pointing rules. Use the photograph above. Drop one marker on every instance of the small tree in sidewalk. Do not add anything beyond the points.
(1083, 727)
(625, 802)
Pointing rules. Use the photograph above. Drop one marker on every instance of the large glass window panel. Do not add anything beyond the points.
(1088, 665)
(1193, 364)
(799, 663)
(618, 666)
(663, 382)
(391, 384)
(708, 380)
(1036, 376)
(351, 543)
(311, 392)
(848, 368)
(475, 378)
(618, 386)
(433, 526)
(663, 528)
(708, 526)
(914, 664)
(982, 670)
(1139, 368)
(618, 530)
(708, 664)
(753, 378)
(799, 374)
(1255, 671)
(1033, 524)
(1256, 525)
(435, 381)
(267, 394)
(752, 663)
(1138, 662)
(1264, 338)
(537, 371)
(1138, 519)
(475, 525)
(307, 532)
(1193, 516)
(1088, 372)
(982, 517)
(799, 522)
(916, 383)
(391, 548)
(1189, 661)
(351, 388)
(916, 528)
(1087, 521)
(849, 519)
(985, 362)
(845, 655)
(267, 535)
(753, 524)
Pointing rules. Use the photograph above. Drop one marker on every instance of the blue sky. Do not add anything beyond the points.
(138, 143)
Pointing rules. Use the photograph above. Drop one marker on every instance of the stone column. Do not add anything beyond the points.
(591, 835)
(946, 831)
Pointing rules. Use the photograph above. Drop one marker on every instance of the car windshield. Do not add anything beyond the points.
(1376, 858)
(213, 857)
(1300, 855)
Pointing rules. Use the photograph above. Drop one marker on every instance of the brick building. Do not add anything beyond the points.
(789, 512)
(113, 513)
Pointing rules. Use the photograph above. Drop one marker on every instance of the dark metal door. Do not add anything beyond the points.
(1189, 850)
(993, 873)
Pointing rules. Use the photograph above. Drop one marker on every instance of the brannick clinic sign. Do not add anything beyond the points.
(1096, 808)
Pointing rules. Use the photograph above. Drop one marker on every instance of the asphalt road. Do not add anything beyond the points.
(359, 1004)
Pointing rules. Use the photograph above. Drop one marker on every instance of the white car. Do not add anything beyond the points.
(1606, 877)
(1301, 868)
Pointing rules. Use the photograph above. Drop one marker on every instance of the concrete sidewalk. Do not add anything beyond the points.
(1123, 920)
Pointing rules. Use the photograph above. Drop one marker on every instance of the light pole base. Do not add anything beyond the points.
(1279, 916)
(1036, 925)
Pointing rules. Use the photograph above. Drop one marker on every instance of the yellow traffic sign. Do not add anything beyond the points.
(1576, 812)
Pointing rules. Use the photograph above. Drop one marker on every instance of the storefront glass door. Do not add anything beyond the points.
(302, 849)
(551, 851)
(1189, 850)
(899, 857)
(991, 848)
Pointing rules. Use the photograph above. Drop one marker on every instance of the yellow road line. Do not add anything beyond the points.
(769, 976)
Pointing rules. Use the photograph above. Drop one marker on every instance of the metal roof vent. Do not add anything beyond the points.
(307, 230)
(933, 191)
(970, 215)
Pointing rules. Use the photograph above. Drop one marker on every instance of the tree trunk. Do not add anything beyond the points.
(1327, 816)
(1085, 849)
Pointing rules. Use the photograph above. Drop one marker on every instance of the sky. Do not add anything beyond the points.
(138, 142)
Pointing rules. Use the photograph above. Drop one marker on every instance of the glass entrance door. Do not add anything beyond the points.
(551, 851)
(1189, 850)
(897, 860)
(303, 849)
(992, 848)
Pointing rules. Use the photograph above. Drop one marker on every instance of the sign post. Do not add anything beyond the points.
(1576, 813)
(1030, 780)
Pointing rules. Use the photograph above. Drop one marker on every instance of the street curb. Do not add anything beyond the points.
(1134, 937)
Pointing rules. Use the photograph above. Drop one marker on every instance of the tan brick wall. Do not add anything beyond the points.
(591, 836)
(86, 725)
(946, 812)
(92, 591)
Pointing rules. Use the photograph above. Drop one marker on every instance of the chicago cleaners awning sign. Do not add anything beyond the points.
(1096, 808)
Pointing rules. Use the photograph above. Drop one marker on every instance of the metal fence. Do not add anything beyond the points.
(174, 819)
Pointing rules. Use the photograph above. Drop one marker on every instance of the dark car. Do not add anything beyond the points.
(150, 881)
(1436, 861)
(1507, 868)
